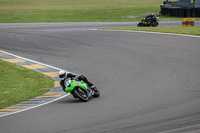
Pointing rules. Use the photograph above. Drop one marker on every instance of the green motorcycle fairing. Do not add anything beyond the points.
(71, 84)
(83, 85)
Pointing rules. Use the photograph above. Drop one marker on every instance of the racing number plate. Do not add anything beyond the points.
(68, 82)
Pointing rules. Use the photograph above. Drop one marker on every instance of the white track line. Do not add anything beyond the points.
(39, 104)
(35, 106)
(30, 60)
(160, 33)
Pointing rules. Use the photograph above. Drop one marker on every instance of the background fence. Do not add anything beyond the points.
(181, 8)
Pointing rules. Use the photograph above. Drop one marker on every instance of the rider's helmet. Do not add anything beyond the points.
(151, 14)
(62, 74)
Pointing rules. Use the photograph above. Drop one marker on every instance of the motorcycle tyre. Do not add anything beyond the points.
(139, 24)
(76, 93)
(96, 93)
(155, 24)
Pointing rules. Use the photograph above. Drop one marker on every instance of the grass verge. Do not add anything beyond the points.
(177, 30)
(20, 84)
(18, 11)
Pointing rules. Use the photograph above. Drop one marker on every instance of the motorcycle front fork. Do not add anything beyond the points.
(90, 92)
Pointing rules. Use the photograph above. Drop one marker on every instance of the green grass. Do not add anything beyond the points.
(19, 84)
(76, 10)
(177, 30)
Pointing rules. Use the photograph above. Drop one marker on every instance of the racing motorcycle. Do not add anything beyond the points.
(146, 21)
(80, 89)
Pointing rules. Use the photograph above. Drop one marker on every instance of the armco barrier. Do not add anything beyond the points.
(188, 22)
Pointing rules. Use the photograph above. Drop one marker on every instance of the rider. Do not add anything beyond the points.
(152, 17)
(64, 75)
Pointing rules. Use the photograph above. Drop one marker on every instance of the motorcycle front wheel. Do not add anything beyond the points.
(139, 24)
(81, 94)
(154, 24)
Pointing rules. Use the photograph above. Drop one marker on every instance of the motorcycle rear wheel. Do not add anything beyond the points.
(96, 93)
(81, 94)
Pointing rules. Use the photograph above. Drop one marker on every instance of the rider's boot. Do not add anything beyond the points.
(92, 86)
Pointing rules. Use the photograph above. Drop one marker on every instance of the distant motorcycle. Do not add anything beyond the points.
(146, 21)
(80, 89)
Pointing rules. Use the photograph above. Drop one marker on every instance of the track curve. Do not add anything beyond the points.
(149, 83)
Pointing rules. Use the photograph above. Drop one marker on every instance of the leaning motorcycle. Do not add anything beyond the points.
(147, 22)
(80, 89)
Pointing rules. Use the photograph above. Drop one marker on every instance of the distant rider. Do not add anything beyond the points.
(64, 75)
(152, 17)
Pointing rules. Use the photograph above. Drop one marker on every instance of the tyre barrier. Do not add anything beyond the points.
(180, 11)
(188, 22)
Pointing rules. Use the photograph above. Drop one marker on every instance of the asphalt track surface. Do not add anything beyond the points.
(149, 83)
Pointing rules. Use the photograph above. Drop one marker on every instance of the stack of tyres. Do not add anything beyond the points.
(170, 11)
(184, 23)
(188, 22)
(183, 12)
(163, 10)
(191, 22)
(188, 12)
(176, 11)
(198, 12)
(193, 12)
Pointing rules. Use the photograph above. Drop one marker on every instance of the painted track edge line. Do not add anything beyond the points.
(35, 106)
(30, 60)
(21, 110)
(173, 34)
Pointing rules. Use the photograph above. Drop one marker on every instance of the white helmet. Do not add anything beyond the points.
(62, 74)
(151, 14)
